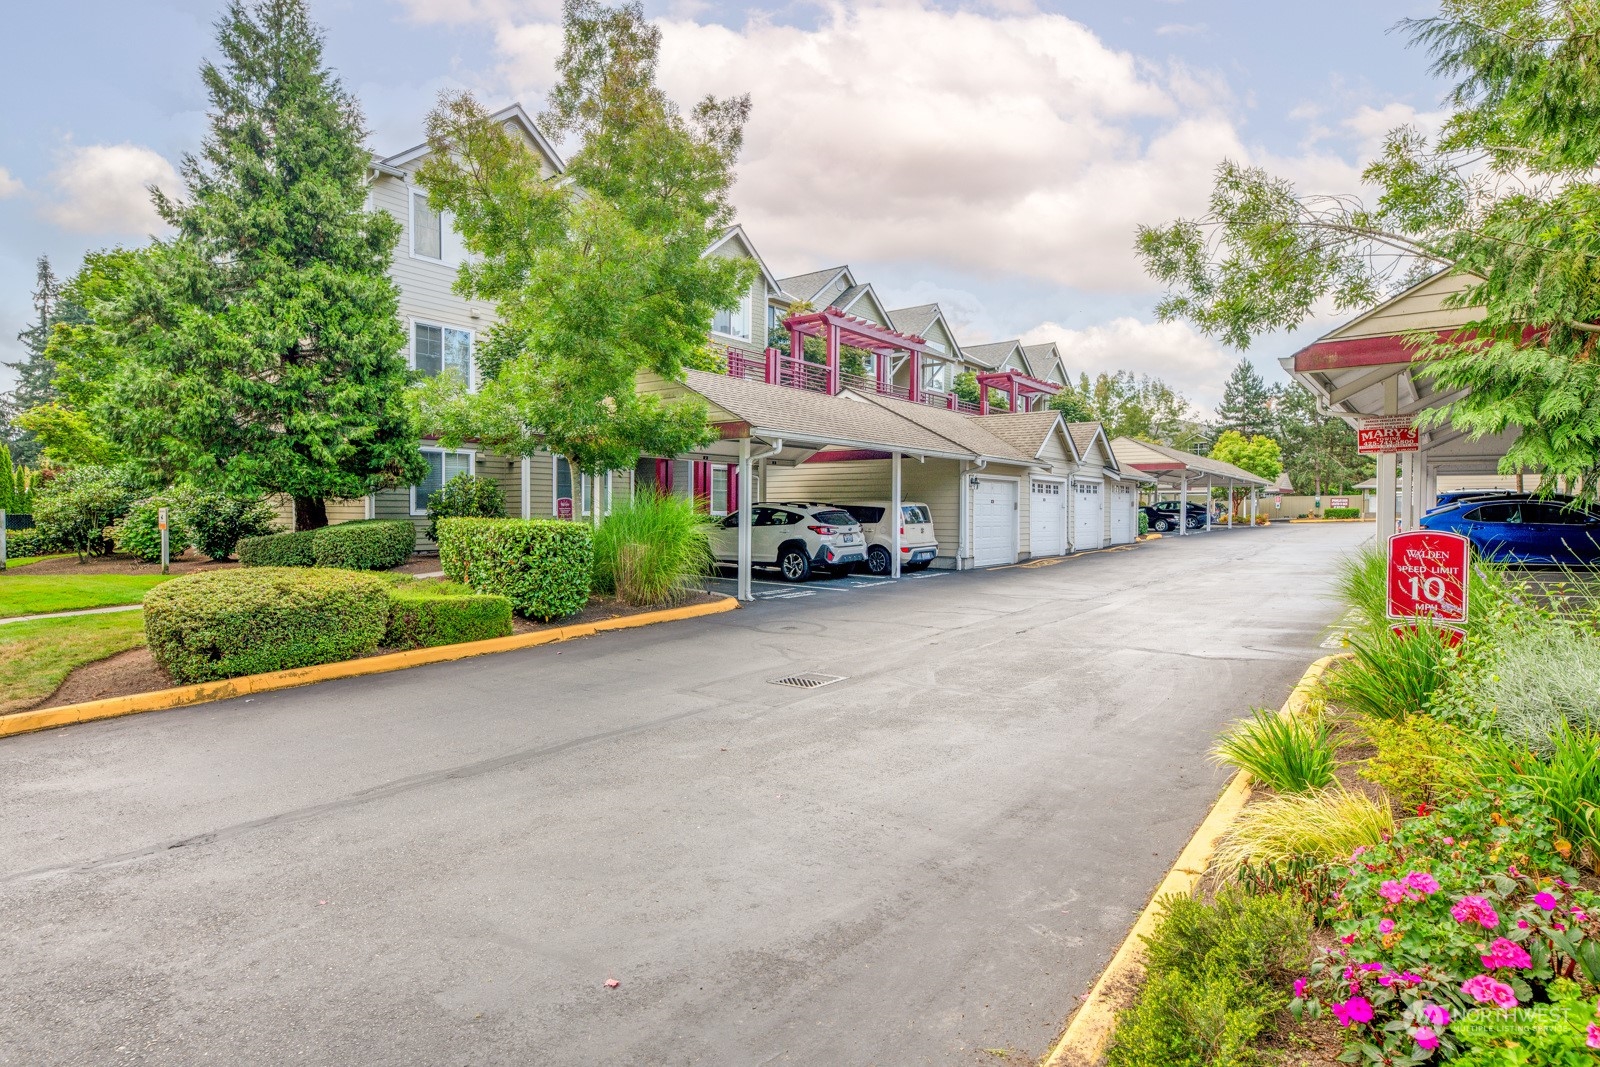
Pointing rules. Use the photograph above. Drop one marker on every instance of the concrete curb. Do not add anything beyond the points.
(1089, 1030)
(23, 722)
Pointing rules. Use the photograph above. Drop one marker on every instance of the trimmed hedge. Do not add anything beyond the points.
(1341, 513)
(543, 566)
(29, 542)
(368, 545)
(277, 550)
(424, 614)
(204, 627)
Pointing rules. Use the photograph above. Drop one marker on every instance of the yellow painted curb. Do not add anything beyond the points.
(183, 696)
(1089, 1030)
(1307, 522)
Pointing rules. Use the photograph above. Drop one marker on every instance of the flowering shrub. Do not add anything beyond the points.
(1562, 1033)
(1469, 907)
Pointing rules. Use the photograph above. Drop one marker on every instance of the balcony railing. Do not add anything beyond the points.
(775, 368)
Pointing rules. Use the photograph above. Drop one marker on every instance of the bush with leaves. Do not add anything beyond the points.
(1341, 513)
(425, 614)
(138, 534)
(470, 496)
(368, 545)
(216, 522)
(292, 549)
(543, 566)
(77, 508)
(1419, 760)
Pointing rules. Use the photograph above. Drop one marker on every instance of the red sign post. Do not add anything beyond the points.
(1386, 433)
(564, 507)
(1428, 577)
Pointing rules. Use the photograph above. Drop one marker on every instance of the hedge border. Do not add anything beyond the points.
(23, 722)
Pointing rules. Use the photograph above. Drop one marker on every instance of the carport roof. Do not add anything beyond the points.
(1026, 431)
(963, 431)
(1170, 464)
(800, 415)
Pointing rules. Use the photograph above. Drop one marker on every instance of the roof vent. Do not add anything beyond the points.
(808, 681)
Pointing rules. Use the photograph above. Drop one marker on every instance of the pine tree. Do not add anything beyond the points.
(36, 371)
(1246, 403)
(263, 351)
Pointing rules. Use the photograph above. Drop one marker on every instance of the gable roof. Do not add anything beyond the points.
(994, 353)
(1042, 359)
(920, 320)
(1028, 431)
(854, 295)
(1138, 454)
(736, 232)
(805, 287)
(513, 115)
(1083, 437)
(952, 425)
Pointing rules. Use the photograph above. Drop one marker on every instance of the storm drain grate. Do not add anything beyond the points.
(808, 681)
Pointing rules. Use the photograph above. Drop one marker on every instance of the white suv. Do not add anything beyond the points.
(793, 538)
(918, 546)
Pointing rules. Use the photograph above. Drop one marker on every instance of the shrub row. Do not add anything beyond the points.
(222, 624)
(368, 545)
(1341, 513)
(543, 566)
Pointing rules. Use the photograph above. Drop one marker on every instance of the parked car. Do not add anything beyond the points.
(1522, 529)
(1449, 497)
(1167, 512)
(918, 546)
(794, 538)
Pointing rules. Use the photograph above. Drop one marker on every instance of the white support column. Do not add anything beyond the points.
(894, 515)
(1208, 505)
(1183, 506)
(962, 499)
(1386, 478)
(527, 487)
(1230, 503)
(746, 494)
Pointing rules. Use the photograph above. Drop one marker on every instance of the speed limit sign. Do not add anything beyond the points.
(1428, 576)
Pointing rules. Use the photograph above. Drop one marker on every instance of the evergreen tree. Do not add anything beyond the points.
(1319, 451)
(1246, 403)
(261, 346)
(36, 371)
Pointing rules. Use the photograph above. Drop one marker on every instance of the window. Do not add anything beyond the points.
(773, 317)
(916, 514)
(863, 514)
(936, 376)
(735, 321)
(563, 490)
(833, 517)
(440, 348)
(719, 489)
(1496, 513)
(442, 466)
(1555, 514)
(427, 228)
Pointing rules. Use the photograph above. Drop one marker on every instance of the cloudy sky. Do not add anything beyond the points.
(993, 157)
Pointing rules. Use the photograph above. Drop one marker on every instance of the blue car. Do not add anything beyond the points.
(1522, 530)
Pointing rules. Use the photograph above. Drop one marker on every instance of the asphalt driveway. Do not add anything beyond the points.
(929, 858)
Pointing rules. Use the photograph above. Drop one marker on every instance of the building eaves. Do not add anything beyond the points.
(964, 430)
(805, 287)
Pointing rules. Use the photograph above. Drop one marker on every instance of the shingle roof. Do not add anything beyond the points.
(1041, 356)
(964, 430)
(1083, 435)
(812, 416)
(1200, 464)
(806, 286)
(915, 320)
(992, 354)
(1025, 431)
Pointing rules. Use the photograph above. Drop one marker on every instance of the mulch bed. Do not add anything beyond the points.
(135, 671)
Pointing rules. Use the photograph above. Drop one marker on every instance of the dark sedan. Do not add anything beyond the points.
(1163, 516)
(1523, 530)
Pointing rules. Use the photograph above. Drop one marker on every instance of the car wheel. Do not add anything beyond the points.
(794, 565)
(1163, 526)
(878, 560)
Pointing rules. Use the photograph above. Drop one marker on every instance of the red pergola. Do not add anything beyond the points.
(836, 328)
(1015, 385)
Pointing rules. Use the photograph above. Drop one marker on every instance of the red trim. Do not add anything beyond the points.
(1149, 468)
(1360, 352)
(845, 454)
(732, 431)
(733, 488)
(664, 475)
(702, 483)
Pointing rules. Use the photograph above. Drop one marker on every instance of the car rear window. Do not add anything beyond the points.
(915, 513)
(834, 517)
(1511, 512)
(863, 514)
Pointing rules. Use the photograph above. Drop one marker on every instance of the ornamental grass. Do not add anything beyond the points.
(653, 549)
(1290, 753)
(1323, 826)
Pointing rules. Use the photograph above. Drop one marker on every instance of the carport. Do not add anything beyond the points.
(1177, 471)
(762, 425)
(1364, 370)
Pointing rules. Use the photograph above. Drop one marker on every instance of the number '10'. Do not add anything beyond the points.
(1430, 588)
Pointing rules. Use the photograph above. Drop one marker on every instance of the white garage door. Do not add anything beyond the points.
(994, 522)
(1088, 518)
(1047, 520)
(1123, 529)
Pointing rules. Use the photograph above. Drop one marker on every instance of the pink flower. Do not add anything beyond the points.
(1299, 988)
(1579, 916)
(1422, 882)
(1449, 840)
(1594, 1036)
(1426, 1038)
(1486, 990)
(1386, 926)
(1392, 891)
(1348, 939)
(1504, 953)
(1355, 1010)
(1358, 852)
(1372, 966)
(1475, 909)
(1522, 924)
(1545, 901)
(1436, 1014)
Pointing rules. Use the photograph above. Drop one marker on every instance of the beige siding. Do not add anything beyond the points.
(936, 483)
(1420, 309)
(757, 343)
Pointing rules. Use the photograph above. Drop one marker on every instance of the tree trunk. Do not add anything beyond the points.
(310, 512)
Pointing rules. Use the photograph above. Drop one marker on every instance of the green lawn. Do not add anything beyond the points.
(31, 594)
(25, 560)
(35, 657)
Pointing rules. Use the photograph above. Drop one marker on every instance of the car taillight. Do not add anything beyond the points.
(902, 531)
(823, 530)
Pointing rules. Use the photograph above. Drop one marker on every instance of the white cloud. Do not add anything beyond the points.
(105, 189)
(9, 186)
(1190, 362)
